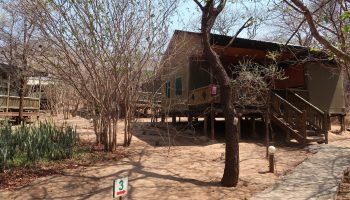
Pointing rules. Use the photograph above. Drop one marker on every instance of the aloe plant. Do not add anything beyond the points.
(7, 145)
(36, 142)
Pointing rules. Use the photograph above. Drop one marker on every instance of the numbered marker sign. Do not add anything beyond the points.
(120, 187)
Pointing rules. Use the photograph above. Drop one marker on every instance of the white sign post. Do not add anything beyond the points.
(120, 187)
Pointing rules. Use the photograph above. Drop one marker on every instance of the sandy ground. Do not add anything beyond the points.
(191, 169)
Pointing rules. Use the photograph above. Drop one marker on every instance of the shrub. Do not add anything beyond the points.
(36, 142)
(8, 144)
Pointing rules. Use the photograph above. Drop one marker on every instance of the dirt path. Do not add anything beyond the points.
(190, 170)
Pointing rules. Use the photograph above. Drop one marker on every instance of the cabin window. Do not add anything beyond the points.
(167, 89)
(178, 86)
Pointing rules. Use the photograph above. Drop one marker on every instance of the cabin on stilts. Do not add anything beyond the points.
(301, 105)
(10, 99)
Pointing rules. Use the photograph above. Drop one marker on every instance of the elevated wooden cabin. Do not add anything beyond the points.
(302, 104)
(9, 98)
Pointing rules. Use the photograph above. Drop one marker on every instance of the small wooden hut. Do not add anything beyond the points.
(301, 105)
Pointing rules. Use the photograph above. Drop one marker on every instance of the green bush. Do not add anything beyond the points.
(37, 142)
(8, 143)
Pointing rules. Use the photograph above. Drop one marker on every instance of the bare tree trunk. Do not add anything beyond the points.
(126, 126)
(209, 15)
(75, 109)
(21, 97)
(129, 126)
(22, 81)
(231, 171)
(110, 140)
(115, 121)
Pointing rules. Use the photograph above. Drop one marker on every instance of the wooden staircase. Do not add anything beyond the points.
(300, 119)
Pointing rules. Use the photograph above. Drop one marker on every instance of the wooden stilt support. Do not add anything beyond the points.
(329, 122)
(342, 123)
(239, 127)
(162, 120)
(173, 120)
(326, 121)
(205, 127)
(252, 122)
(212, 122)
(190, 119)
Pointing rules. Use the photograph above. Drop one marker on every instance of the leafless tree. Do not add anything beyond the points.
(100, 48)
(328, 22)
(233, 15)
(287, 25)
(210, 11)
(18, 36)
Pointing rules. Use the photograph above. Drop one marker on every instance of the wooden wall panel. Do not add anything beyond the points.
(295, 78)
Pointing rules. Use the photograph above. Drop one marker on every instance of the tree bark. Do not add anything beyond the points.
(231, 171)
(21, 97)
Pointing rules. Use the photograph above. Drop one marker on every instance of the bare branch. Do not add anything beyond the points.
(199, 4)
(245, 25)
(308, 16)
(291, 5)
(301, 23)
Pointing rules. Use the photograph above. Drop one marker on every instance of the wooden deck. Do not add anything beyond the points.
(9, 106)
(300, 119)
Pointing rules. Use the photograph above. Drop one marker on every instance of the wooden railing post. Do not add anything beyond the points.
(205, 126)
(286, 113)
(325, 127)
(8, 93)
(303, 126)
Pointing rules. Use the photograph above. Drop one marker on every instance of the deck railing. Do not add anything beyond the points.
(203, 95)
(12, 103)
(290, 114)
(314, 116)
(149, 97)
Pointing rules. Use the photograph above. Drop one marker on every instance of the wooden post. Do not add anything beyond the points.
(329, 124)
(252, 122)
(8, 93)
(212, 122)
(205, 127)
(326, 117)
(190, 119)
(39, 91)
(272, 163)
(267, 135)
(239, 131)
(173, 120)
(303, 127)
(162, 118)
(342, 123)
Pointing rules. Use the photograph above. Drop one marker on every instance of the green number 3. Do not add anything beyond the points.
(121, 184)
